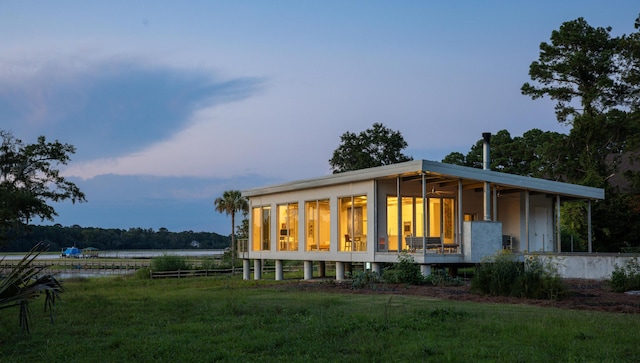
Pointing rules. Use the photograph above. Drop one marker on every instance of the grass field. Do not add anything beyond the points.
(219, 319)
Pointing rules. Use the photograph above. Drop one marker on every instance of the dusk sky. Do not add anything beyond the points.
(171, 103)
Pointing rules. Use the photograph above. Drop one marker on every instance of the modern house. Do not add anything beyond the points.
(442, 214)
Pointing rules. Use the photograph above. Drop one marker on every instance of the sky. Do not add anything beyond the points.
(171, 103)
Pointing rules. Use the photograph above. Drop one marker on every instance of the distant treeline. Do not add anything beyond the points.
(58, 237)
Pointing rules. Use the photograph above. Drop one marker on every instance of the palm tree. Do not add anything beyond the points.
(22, 285)
(231, 202)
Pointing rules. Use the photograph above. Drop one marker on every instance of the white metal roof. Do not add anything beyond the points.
(448, 171)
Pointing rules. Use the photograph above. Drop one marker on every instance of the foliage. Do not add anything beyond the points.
(440, 277)
(29, 179)
(362, 279)
(405, 271)
(230, 320)
(496, 275)
(21, 285)
(533, 154)
(503, 275)
(376, 146)
(538, 281)
(627, 277)
(230, 203)
(170, 263)
(58, 237)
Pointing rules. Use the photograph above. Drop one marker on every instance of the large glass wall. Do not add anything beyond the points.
(317, 225)
(352, 223)
(261, 236)
(441, 220)
(288, 227)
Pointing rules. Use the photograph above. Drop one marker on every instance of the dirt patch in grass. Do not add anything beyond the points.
(581, 294)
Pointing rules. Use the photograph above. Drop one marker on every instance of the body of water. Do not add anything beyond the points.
(127, 254)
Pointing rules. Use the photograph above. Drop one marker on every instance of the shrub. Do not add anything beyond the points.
(170, 263)
(441, 278)
(363, 279)
(406, 271)
(496, 275)
(627, 277)
(502, 275)
(538, 281)
(142, 273)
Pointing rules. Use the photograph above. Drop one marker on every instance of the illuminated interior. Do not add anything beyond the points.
(288, 231)
(261, 219)
(318, 225)
(440, 220)
(352, 223)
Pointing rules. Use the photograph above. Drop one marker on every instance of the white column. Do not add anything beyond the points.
(589, 232)
(246, 269)
(339, 271)
(279, 270)
(526, 218)
(425, 270)
(257, 269)
(308, 270)
(558, 234)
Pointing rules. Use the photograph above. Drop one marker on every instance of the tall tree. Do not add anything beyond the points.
(376, 146)
(534, 154)
(593, 78)
(230, 203)
(30, 179)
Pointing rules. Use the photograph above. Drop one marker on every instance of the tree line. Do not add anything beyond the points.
(58, 237)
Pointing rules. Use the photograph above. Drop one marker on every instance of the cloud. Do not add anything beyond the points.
(176, 203)
(111, 107)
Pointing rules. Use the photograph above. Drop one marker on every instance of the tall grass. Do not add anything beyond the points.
(503, 275)
(627, 277)
(221, 319)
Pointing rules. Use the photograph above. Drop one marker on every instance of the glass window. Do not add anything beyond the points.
(288, 227)
(318, 225)
(352, 225)
(261, 237)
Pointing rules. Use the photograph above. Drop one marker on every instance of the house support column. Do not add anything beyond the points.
(526, 219)
(339, 271)
(425, 270)
(257, 269)
(376, 268)
(589, 232)
(246, 269)
(308, 270)
(558, 234)
(322, 269)
(279, 275)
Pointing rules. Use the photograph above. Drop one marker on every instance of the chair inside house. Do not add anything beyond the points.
(348, 244)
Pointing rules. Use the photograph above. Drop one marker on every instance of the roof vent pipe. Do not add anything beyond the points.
(486, 165)
(486, 158)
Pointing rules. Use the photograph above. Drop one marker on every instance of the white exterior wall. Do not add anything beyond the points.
(584, 266)
(333, 193)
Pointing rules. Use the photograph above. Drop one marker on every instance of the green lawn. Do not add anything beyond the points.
(218, 319)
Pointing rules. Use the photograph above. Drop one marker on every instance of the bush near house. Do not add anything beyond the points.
(407, 271)
(503, 275)
(627, 277)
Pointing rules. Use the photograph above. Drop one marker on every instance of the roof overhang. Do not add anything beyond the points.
(440, 172)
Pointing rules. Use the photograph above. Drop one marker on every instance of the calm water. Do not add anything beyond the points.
(129, 254)
(73, 273)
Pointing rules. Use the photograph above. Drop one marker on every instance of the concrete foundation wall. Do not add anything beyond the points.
(594, 266)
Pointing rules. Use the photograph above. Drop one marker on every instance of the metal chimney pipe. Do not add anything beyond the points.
(486, 165)
(486, 157)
